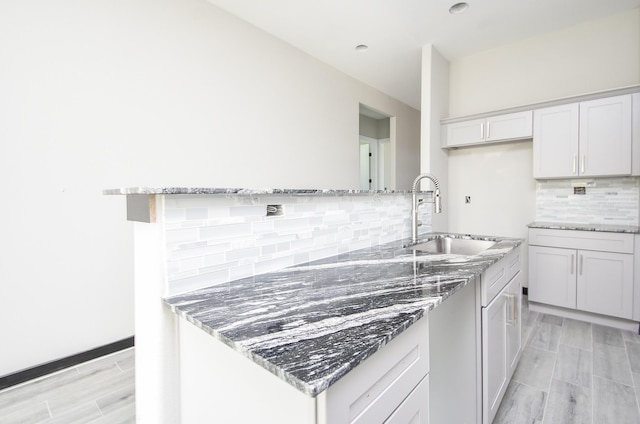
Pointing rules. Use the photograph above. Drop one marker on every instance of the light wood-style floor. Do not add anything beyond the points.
(570, 372)
(100, 391)
(573, 372)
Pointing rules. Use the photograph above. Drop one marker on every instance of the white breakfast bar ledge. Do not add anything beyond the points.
(254, 304)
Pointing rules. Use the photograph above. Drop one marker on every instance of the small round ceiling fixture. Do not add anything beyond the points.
(458, 8)
(362, 48)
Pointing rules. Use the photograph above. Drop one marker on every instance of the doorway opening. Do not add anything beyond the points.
(377, 134)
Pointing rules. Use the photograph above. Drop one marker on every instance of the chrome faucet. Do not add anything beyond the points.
(437, 206)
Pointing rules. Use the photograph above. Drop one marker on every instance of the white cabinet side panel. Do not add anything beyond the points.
(454, 345)
(219, 385)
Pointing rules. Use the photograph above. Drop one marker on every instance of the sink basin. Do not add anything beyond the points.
(454, 246)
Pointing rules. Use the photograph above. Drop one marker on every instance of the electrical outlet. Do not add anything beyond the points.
(275, 210)
(467, 199)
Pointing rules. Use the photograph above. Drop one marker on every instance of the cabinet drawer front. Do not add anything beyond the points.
(586, 240)
(514, 263)
(493, 281)
(414, 409)
(375, 388)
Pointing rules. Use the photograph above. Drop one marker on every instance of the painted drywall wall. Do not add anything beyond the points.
(435, 104)
(593, 56)
(105, 94)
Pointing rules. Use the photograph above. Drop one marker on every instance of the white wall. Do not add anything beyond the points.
(104, 94)
(593, 56)
(435, 103)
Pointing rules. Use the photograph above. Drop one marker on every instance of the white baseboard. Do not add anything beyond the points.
(623, 324)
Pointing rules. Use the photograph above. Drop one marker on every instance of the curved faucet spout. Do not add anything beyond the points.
(437, 205)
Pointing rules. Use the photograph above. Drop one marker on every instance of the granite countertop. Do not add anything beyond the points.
(586, 227)
(246, 191)
(311, 324)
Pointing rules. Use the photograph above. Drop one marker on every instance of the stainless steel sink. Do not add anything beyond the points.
(453, 246)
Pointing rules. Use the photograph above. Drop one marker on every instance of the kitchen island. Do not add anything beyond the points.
(307, 325)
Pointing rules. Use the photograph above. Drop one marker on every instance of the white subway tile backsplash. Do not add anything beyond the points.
(247, 211)
(225, 231)
(243, 253)
(608, 201)
(266, 265)
(182, 235)
(181, 285)
(196, 213)
(215, 239)
(244, 271)
(214, 259)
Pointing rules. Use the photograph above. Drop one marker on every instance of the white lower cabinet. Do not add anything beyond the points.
(605, 283)
(391, 384)
(494, 355)
(501, 344)
(501, 331)
(552, 276)
(587, 271)
(415, 408)
(514, 323)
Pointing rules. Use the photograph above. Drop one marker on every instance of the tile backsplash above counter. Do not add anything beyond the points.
(213, 236)
(612, 201)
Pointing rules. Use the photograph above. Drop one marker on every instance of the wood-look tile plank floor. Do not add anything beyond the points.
(100, 391)
(573, 372)
(570, 372)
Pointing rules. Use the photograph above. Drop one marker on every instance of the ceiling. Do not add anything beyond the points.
(396, 30)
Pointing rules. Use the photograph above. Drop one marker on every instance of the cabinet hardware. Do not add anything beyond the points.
(482, 130)
(581, 263)
(574, 164)
(572, 263)
(511, 308)
(582, 164)
(488, 130)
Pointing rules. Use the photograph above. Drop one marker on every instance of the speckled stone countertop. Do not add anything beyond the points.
(586, 227)
(311, 324)
(245, 191)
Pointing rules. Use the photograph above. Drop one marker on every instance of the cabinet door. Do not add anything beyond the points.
(605, 283)
(552, 276)
(415, 408)
(494, 355)
(605, 136)
(555, 141)
(510, 126)
(467, 132)
(514, 323)
(370, 392)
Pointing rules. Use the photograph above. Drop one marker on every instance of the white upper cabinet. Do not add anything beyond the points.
(587, 139)
(605, 136)
(512, 126)
(555, 141)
